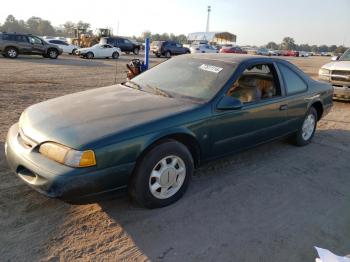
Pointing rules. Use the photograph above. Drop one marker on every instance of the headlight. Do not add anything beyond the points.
(324, 74)
(68, 156)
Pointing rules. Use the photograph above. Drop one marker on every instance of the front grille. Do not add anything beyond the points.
(340, 75)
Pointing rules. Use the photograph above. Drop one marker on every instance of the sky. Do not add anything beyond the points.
(254, 22)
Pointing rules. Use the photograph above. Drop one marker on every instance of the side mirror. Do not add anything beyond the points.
(229, 103)
(335, 58)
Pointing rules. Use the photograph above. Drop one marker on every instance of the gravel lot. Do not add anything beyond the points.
(272, 203)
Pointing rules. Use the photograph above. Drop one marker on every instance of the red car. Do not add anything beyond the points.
(290, 53)
(233, 50)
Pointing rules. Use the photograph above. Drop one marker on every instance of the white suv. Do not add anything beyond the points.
(338, 74)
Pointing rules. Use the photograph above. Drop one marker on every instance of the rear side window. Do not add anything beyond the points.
(21, 38)
(7, 37)
(293, 82)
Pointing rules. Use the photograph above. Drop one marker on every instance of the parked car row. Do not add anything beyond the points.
(13, 44)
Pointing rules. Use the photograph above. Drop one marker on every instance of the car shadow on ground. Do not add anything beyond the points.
(274, 203)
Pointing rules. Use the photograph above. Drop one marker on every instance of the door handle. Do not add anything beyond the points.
(283, 107)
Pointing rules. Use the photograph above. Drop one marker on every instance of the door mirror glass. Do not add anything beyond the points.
(335, 58)
(229, 103)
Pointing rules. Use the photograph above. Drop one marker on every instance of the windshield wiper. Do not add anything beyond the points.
(158, 91)
(132, 84)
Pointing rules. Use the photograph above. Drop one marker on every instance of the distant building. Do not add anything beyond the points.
(221, 38)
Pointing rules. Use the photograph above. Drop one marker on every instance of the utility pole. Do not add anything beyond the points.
(209, 10)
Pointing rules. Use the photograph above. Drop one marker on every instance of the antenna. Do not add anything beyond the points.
(116, 60)
(209, 10)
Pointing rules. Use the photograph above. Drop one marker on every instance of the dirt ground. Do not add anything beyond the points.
(272, 203)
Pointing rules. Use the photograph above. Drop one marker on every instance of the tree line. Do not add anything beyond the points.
(161, 37)
(38, 26)
(288, 43)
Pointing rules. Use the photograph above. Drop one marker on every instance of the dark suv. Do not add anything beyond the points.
(168, 48)
(12, 44)
(124, 44)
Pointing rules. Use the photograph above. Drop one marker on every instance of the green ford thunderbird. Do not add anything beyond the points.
(147, 135)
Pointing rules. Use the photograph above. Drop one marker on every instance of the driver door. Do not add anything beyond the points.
(38, 46)
(262, 117)
(103, 51)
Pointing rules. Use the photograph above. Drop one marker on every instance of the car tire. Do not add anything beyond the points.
(52, 53)
(162, 176)
(115, 55)
(158, 55)
(307, 129)
(73, 51)
(136, 51)
(89, 55)
(11, 52)
(167, 54)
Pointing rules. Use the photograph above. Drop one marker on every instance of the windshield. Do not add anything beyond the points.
(345, 56)
(190, 78)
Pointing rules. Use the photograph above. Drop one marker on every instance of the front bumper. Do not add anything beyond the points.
(341, 92)
(59, 181)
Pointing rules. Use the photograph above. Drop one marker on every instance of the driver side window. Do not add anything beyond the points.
(34, 40)
(258, 82)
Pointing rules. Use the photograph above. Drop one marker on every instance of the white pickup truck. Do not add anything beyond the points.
(338, 74)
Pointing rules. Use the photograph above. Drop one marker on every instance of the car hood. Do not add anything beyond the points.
(78, 119)
(337, 65)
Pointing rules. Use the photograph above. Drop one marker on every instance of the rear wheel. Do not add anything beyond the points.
(162, 176)
(11, 52)
(136, 51)
(307, 130)
(73, 51)
(167, 54)
(52, 53)
(89, 55)
(115, 55)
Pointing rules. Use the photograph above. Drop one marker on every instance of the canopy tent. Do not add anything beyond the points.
(213, 37)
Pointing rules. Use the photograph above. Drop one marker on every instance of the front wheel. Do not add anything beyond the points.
(136, 51)
(307, 130)
(162, 176)
(74, 51)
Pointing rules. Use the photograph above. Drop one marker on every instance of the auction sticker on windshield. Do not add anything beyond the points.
(210, 68)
